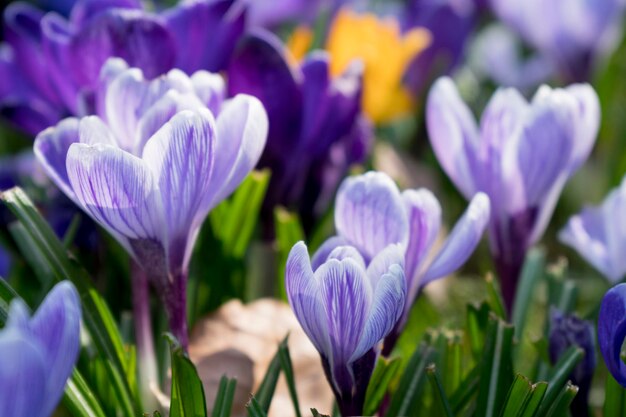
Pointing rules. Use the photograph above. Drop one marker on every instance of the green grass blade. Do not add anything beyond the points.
(287, 367)
(79, 398)
(254, 409)
(441, 399)
(559, 376)
(532, 273)
(384, 372)
(264, 394)
(614, 397)
(224, 399)
(187, 392)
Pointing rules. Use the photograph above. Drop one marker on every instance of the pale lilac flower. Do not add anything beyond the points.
(160, 157)
(598, 234)
(371, 213)
(38, 353)
(346, 306)
(521, 157)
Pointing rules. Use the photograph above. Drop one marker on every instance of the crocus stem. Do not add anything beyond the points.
(509, 271)
(175, 299)
(144, 338)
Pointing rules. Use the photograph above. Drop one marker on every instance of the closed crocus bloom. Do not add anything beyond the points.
(385, 53)
(346, 306)
(38, 353)
(371, 213)
(568, 330)
(521, 157)
(152, 169)
(317, 129)
(598, 234)
(571, 33)
(612, 331)
(51, 64)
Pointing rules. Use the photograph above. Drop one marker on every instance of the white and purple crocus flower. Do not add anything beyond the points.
(50, 65)
(39, 353)
(598, 234)
(317, 129)
(160, 155)
(389, 235)
(572, 34)
(521, 156)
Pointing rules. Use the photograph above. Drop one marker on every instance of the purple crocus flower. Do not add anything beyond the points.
(154, 165)
(371, 213)
(262, 13)
(346, 306)
(39, 353)
(568, 330)
(316, 127)
(451, 23)
(51, 65)
(572, 33)
(521, 157)
(612, 331)
(598, 234)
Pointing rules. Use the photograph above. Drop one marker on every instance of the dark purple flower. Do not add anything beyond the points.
(521, 157)
(52, 64)
(612, 331)
(568, 330)
(316, 127)
(451, 23)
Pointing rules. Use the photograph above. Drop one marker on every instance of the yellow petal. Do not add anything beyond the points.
(300, 42)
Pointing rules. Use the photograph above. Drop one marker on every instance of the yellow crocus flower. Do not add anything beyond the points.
(300, 42)
(385, 53)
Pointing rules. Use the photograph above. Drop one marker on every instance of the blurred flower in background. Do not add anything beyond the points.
(598, 234)
(612, 331)
(52, 64)
(316, 126)
(39, 353)
(521, 157)
(573, 34)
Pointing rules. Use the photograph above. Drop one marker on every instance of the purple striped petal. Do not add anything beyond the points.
(303, 294)
(198, 23)
(118, 190)
(56, 325)
(347, 252)
(346, 297)
(85, 10)
(22, 375)
(612, 331)
(242, 128)
(181, 156)
(379, 266)
(387, 306)
(51, 148)
(369, 213)
(321, 254)
(461, 242)
(424, 214)
(453, 134)
(210, 89)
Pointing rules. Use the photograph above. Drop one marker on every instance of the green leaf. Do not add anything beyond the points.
(494, 297)
(7, 294)
(466, 390)
(560, 406)
(264, 394)
(96, 315)
(615, 397)
(254, 409)
(532, 273)
(384, 373)
(496, 373)
(288, 232)
(287, 367)
(79, 399)
(317, 413)
(405, 401)
(224, 398)
(477, 322)
(187, 394)
(559, 376)
(523, 398)
(441, 399)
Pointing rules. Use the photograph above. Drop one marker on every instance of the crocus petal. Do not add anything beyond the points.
(321, 254)
(453, 134)
(369, 213)
(118, 190)
(303, 294)
(462, 240)
(19, 316)
(56, 325)
(22, 375)
(346, 296)
(379, 266)
(347, 252)
(181, 156)
(587, 119)
(612, 331)
(51, 148)
(210, 89)
(196, 24)
(387, 306)
(85, 10)
(242, 128)
(128, 34)
(424, 214)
